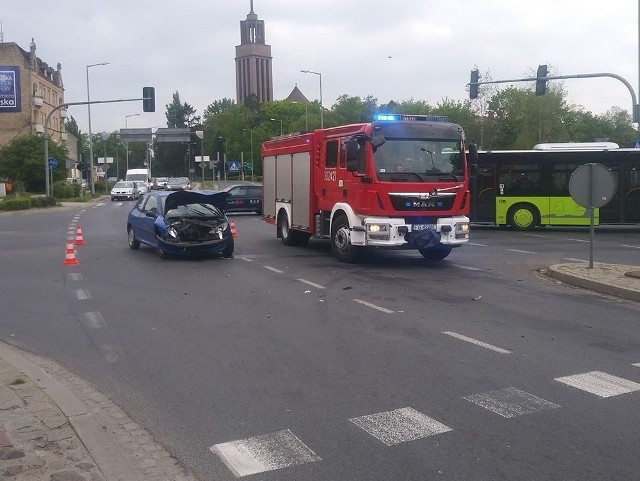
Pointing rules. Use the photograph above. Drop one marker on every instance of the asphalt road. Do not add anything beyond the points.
(476, 367)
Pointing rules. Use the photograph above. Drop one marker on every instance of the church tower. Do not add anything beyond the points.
(253, 61)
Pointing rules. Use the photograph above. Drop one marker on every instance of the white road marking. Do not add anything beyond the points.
(399, 426)
(629, 246)
(521, 251)
(535, 235)
(477, 343)
(467, 268)
(511, 402)
(274, 269)
(312, 284)
(477, 244)
(579, 240)
(75, 276)
(245, 258)
(573, 259)
(600, 383)
(83, 294)
(637, 364)
(110, 353)
(266, 452)
(372, 306)
(94, 320)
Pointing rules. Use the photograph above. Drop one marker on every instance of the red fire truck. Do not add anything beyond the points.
(399, 182)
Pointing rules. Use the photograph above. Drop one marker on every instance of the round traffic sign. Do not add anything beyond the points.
(592, 185)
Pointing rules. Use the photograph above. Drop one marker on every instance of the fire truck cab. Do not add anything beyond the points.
(399, 182)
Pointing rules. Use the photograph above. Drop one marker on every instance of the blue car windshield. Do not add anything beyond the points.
(202, 210)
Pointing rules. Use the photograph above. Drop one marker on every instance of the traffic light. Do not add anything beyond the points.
(473, 84)
(541, 80)
(148, 99)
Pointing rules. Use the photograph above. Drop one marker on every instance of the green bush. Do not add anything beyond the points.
(43, 201)
(62, 190)
(16, 203)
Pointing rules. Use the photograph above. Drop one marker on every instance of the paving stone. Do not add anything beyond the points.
(13, 470)
(9, 399)
(11, 453)
(67, 476)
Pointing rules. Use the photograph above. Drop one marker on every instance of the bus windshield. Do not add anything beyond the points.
(419, 160)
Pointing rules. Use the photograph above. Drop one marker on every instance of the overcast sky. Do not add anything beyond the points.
(391, 50)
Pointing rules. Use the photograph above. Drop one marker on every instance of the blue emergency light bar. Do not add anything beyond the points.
(410, 118)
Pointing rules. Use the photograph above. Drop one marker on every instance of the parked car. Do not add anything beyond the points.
(181, 223)
(159, 183)
(178, 183)
(244, 198)
(112, 180)
(125, 190)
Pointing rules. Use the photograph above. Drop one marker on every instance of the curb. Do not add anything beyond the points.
(604, 288)
(101, 445)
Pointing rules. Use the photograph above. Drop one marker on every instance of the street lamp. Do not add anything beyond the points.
(224, 158)
(126, 126)
(200, 135)
(277, 120)
(93, 188)
(251, 141)
(321, 109)
(105, 136)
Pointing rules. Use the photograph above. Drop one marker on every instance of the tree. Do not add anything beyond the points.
(218, 106)
(181, 115)
(22, 161)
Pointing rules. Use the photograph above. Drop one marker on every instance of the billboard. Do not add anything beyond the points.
(9, 89)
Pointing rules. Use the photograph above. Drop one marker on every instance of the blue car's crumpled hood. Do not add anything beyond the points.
(182, 197)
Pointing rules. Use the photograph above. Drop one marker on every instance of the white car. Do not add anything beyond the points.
(125, 190)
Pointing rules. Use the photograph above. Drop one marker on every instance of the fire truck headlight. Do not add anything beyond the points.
(378, 228)
(462, 230)
(378, 231)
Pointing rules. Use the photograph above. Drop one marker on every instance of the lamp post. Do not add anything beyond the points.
(93, 188)
(200, 135)
(126, 126)
(251, 149)
(277, 120)
(224, 159)
(321, 109)
(105, 136)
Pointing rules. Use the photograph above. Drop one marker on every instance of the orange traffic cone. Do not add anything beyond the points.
(233, 229)
(79, 239)
(70, 256)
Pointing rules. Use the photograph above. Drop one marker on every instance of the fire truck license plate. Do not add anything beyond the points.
(415, 227)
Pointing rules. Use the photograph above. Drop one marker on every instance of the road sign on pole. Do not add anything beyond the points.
(592, 186)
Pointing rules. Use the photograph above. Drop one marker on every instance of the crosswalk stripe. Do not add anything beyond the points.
(266, 452)
(399, 426)
(600, 383)
(511, 402)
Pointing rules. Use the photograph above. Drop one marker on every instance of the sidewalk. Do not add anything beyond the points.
(54, 426)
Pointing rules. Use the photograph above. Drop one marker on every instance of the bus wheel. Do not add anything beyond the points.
(435, 253)
(523, 216)
(341, 240)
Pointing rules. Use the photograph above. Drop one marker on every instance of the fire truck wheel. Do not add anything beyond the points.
(286, 234)
(435, 253)
(341, 240)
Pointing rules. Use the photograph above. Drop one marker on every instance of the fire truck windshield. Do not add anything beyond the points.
(419, 159)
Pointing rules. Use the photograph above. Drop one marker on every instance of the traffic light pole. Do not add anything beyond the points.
(635, 109)
(48, 188)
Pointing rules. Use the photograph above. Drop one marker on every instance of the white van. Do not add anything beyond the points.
(142, 176)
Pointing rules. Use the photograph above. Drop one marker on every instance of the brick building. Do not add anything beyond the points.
(29, 90)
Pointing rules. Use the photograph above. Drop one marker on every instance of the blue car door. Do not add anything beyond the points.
(145, 220)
